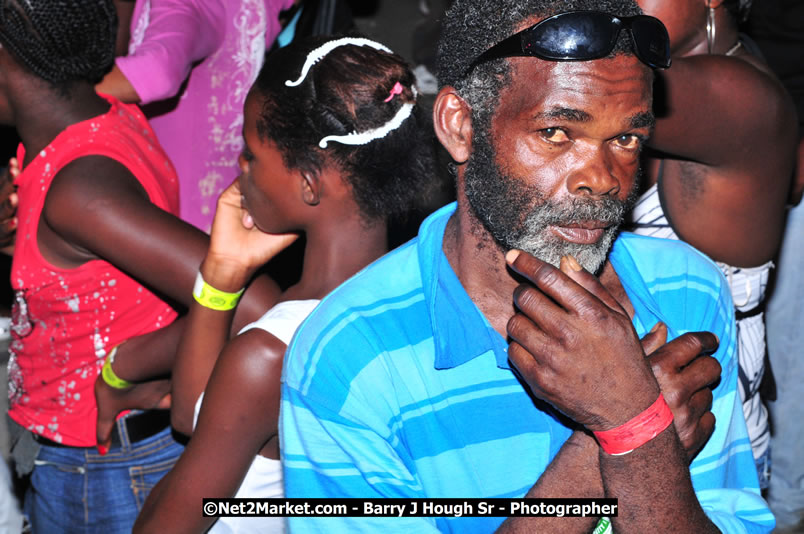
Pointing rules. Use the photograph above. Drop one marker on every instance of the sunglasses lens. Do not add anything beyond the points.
(573, 36)
(651, 41)
(584, 35)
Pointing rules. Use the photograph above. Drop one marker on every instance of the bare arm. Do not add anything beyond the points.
(238, 416)
(726, 131)
(237, 249)
(118, 223)
(116, 84)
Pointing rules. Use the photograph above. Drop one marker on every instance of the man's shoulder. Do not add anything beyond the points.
(389, 278)
(659, 260)
(374, 312)
(675, 283)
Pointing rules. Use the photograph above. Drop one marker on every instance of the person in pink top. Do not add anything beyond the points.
(190, 64)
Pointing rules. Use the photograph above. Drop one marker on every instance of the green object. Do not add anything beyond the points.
(603, 526)
(109, 375)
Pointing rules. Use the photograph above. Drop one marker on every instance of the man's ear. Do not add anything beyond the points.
(310, 187)
(452, 119)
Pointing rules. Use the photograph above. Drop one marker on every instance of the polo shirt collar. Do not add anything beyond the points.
(460, 330)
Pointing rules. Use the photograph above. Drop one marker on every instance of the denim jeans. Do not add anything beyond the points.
(763, 464)
(786, 351)
(75, 489)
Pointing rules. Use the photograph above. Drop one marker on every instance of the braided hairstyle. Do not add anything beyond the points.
(61, 41)
(345, 92)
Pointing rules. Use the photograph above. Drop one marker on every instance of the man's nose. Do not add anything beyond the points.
(594, 175)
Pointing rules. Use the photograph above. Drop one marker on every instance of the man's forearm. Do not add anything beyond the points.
(651, 484)
(573, 473)
(654, 489)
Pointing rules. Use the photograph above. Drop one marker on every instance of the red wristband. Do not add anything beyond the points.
(638, 431)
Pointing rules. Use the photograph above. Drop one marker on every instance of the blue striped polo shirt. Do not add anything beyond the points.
(398, 386)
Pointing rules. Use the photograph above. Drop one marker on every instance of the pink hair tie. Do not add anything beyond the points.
(395, 90)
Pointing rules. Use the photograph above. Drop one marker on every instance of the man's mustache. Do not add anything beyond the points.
(609, 211)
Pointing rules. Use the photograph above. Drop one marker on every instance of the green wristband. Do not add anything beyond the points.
(109, 376)
(603, 526)
(212, 298)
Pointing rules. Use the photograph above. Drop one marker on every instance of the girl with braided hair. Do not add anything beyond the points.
(99, 254)
(333, 148)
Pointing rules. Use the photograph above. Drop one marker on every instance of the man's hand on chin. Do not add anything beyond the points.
(571, 327)
(577, 349)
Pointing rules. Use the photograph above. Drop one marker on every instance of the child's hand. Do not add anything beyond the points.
(236, 243)
(154, 394)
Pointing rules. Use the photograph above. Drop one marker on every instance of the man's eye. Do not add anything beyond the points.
(629, 141)
(554, 135)
(247, 155)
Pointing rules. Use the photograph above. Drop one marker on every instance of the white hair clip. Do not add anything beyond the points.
(319, 53)
(363, 138)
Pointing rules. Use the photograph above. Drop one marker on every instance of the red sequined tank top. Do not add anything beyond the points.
(65, 321)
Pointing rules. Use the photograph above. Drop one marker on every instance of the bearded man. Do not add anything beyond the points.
(517, 347)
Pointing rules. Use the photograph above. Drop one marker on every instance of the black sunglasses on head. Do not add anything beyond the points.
(584, 35)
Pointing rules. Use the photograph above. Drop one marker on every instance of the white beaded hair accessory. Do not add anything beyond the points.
(354, 138)
(319, 53)
(363, 138)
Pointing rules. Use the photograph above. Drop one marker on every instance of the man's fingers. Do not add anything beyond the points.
(536, 309)
(704, 429)
(701, 402)
(522, 330)
(529, 369)
(570, 266)
(684, 349)
(655, 339)
(679, 386)
(552, 282)
(524, 263)
(703, 372)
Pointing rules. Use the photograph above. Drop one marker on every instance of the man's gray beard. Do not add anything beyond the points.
(518, 216)
(533, 235)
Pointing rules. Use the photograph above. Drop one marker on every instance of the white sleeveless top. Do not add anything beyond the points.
(264, 477)
(748, 291)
